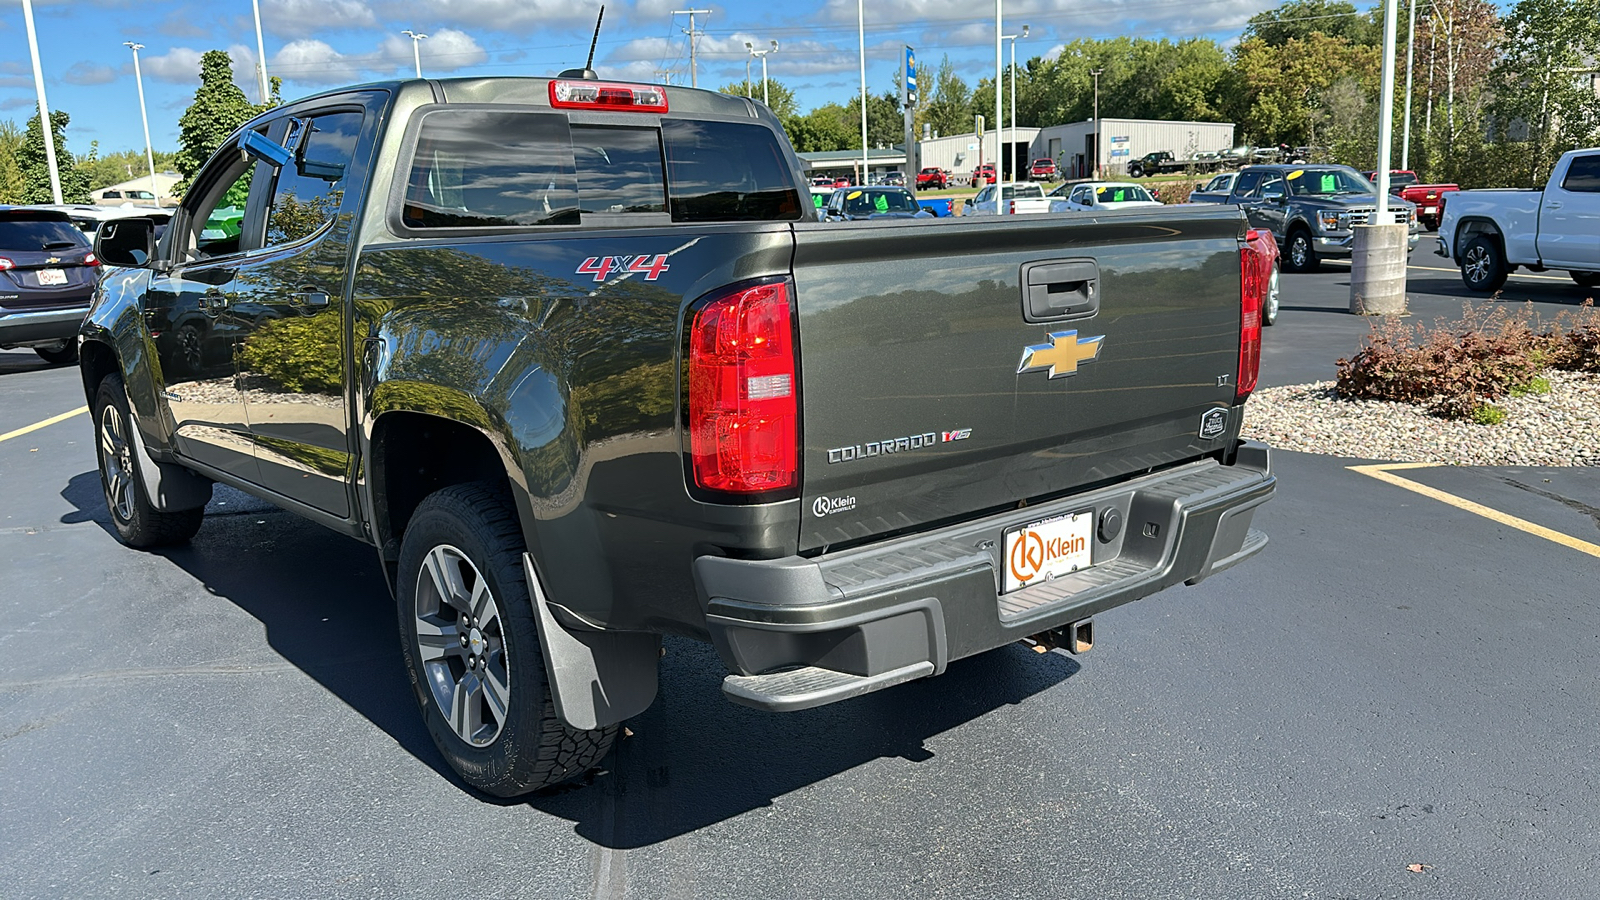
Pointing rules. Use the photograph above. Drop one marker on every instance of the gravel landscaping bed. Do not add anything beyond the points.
(1561, 428)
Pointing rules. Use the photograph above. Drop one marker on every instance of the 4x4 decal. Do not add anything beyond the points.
(601, 266)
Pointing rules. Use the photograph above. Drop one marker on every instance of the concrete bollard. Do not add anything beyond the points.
(1378, 270)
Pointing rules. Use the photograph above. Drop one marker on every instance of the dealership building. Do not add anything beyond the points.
(1077, 146)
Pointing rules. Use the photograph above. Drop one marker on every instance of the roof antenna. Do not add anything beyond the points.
(587, 72)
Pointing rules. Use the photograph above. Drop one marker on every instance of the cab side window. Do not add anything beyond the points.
(1583, 175)
(308, 192)
(218, 225)
(1248, 184)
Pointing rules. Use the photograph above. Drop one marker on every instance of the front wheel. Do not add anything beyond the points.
(137, 521)
(1269, 306)
(60, 355)
(1483, 266)
(471, 645)
(1301, 254)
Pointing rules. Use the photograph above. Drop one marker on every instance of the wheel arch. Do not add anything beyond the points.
(1472, 227)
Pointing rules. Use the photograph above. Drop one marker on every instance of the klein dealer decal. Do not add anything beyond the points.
(601, 266)
(897, 445)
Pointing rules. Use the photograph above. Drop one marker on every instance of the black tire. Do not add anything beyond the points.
(1483, 265)
(1300, 255)
(1586, 279)
(138, 523)
(1269, 303)
(59, 356)
(514, 743)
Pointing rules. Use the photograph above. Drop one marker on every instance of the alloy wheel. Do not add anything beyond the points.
(461, 645)
(116, 463)
(1476, 266)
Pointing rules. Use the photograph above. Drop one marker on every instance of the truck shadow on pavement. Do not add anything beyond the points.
(692, 760)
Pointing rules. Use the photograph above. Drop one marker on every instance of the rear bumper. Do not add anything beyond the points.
(800, 632)
(21, 327)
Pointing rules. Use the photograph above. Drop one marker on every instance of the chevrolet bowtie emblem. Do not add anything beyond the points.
(1062, 355)
(52, 260)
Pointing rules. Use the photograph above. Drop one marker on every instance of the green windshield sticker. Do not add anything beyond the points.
(880, 202)
(820, 200)
(1330, 184)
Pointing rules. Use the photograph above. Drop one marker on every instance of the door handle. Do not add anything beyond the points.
(1060, 289)
(309, 299)
(1553, 204)
(213, 302)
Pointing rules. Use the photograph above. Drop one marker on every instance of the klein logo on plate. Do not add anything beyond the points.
(827, 506)
(1047, 549)
(602, 266)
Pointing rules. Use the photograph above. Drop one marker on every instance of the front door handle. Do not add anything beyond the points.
(213, 302)
(1553, 204)
(309, 299)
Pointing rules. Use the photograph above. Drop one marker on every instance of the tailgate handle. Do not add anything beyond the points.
(1060, 289)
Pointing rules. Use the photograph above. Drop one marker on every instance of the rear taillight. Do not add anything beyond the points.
(91, 260)
(651, 98)
(1252, 288)
(743, 417)
(6, 264)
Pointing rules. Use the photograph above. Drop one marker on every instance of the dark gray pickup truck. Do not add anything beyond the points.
(580, 361)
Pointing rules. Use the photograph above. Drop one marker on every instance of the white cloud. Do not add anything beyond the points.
(300, 18)
(310, 61)
(443, 51)
(180, 65)
(86, 72)
(503, 15)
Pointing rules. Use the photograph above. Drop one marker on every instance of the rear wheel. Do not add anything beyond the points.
(138, 523)
(1269, 306)
(1301, 254)
(1483, 265)
(471, 645)
(1586, 279)
(65, 352)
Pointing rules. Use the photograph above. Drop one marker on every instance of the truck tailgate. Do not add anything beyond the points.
(912, 335)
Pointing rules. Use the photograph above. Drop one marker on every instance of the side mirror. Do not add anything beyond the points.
(126, 242)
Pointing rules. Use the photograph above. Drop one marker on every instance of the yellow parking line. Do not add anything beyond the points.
(27, 429)
(1385, 473)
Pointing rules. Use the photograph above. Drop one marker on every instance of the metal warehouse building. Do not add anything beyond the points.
(1073, 146)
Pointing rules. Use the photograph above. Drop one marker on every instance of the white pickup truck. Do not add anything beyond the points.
(1019, 198)
(1490, 233)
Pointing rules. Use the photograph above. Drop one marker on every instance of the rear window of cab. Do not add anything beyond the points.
(486, 168)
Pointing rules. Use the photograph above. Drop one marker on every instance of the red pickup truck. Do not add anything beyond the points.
(1429, 198)
(983, 175)
(1043, 170)
(933, 177)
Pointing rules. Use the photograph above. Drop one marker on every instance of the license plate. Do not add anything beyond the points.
(1047, 549)
(52, 276)
(1427, 210)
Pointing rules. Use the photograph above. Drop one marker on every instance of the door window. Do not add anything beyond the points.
(308, 191)
(1583, 176)
(1247, 184)
(217, 222)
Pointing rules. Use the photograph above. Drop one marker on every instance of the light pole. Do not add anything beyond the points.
(1097, 73)
(861, 35)
(999, 110)
(1013, 39)
(1411, 53)
(261, 51)
(45, 124)
(149, 154)
(416, 48)
(761, 55)
(694, 61)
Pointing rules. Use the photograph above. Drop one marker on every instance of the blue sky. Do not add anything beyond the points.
(317, 44)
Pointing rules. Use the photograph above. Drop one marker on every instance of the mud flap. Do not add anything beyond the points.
(597, 678)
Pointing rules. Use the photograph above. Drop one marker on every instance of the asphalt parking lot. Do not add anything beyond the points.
(1397, 699)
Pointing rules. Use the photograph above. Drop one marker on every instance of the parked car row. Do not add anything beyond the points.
(48, 270)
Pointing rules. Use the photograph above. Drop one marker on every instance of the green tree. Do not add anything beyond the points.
(949, 107)
(1542, 91)
(783, 104)
(885, 123)
(1282, 91)
(12, 184)
(218, 109)
(35, 166)
(1299, 19)
(824, 128)
(124, 165)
